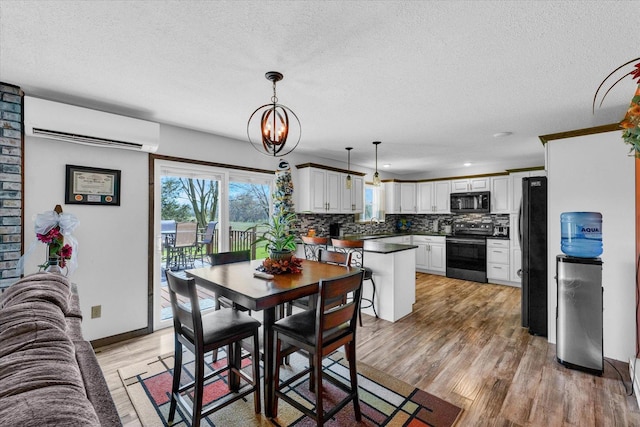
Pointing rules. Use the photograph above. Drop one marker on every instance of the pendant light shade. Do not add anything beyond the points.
(348, 183)
(272, 125)
(376, 176)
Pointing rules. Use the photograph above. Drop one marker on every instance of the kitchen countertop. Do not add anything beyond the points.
(386, 248)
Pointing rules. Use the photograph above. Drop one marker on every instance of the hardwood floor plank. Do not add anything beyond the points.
(463, 342)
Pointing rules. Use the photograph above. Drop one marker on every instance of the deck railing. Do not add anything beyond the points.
(239, 240)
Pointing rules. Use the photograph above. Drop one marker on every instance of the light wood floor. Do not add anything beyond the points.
(463, 342)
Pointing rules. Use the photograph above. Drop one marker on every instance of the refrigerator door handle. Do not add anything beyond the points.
(520, 223)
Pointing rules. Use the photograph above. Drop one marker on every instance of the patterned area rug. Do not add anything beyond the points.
(384, 400)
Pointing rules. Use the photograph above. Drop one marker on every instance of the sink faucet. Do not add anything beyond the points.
(371, 221)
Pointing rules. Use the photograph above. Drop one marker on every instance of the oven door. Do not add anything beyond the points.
(467, 259)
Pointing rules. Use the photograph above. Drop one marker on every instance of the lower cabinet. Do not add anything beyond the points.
(499, 262)
(431, 254)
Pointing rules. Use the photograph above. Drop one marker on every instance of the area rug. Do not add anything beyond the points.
(384, 400)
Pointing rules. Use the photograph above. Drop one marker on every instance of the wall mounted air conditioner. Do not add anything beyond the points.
(48, 119)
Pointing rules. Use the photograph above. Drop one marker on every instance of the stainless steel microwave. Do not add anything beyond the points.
(472, 202)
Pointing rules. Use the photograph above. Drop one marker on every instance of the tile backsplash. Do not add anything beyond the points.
(419, 223)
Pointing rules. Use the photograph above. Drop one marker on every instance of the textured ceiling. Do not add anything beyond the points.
(432, 80)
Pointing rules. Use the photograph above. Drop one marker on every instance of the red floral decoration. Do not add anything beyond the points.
(57, 249)
(272, 266)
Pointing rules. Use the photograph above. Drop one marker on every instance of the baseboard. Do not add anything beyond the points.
(635, 377)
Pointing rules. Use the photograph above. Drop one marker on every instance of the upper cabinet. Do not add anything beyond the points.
(352, 199)
(433, 196)
(500, 194)
(470, 184)
(516, 187)
(400, 197)
(323, 190)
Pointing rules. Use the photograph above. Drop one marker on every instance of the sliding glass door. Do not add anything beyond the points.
(224, 206)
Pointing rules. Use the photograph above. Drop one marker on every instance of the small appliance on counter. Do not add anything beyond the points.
(501, 231)
(334, 230)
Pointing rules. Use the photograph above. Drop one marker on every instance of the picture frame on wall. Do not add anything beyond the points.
(92, 186)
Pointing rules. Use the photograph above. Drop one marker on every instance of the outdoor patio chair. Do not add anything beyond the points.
(204, 244)
(180, 253)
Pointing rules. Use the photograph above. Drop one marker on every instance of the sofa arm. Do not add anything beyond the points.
(95, 385)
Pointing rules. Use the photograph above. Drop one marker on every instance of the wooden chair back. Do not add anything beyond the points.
(230, 257)
(353, 247)
(187, 320)
(333, 257)
(334, 310)
(312, 245)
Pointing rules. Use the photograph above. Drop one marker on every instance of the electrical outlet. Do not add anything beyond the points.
(96, 311)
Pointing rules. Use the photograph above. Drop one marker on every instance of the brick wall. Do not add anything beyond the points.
(11, 145)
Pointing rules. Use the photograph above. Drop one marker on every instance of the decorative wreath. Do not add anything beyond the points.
(274, 266)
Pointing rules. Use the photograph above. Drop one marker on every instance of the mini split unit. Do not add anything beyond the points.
(48, 119)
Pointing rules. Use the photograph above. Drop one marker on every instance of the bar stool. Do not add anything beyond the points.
(312, 245)
(356, 249)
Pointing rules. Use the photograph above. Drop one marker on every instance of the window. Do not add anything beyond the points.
(373, 203)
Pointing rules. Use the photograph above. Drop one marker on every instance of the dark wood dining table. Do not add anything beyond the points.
(237, 282)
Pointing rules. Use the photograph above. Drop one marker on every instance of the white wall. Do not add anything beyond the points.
(113, 241)
(595, 174)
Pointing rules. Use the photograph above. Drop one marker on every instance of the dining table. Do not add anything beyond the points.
(237, 282)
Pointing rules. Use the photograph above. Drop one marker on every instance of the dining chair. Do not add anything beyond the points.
(356, 249)
(201, 334)
(320, 332)
(312, 245)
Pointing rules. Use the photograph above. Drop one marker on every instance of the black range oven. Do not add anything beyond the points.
(467, 251)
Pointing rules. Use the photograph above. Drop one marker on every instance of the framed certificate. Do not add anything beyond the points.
(92, 186)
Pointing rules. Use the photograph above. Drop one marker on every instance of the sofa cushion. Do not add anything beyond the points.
(53, 288)
(40, 381)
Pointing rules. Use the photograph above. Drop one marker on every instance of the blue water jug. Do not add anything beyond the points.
(581, 234)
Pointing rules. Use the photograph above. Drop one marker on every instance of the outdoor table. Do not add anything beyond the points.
(236, 282)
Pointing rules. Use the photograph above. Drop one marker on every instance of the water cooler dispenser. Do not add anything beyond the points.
(579, 313)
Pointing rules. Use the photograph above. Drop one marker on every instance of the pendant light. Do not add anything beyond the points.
(348, 182)
(376, 177)
(274, 126)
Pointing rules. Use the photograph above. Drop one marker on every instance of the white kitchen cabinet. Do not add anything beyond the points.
(433, 196)
(498, 254)
(319, 190)
(408, 197)
(516, 187)
(470, 184)
(400, 197)
(352, 200)
(392, 197)
(431, 254)
(500, 194)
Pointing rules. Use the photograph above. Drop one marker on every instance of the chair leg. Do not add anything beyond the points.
(276, 377)
(312, 374)
(373, 297)
(255, 361)
(177, 371)
(318, 373)
(198, 390)
(353, 374)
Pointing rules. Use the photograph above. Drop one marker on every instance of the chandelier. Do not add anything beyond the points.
(274, 125)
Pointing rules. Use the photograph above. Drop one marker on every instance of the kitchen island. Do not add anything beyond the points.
(393, 266)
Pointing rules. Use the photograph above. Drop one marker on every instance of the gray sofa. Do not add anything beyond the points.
(49, 375)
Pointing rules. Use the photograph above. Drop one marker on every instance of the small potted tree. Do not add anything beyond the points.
(278, 240)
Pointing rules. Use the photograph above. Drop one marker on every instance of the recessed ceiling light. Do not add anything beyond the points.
(467, 164)
(502, 134)
(386, 165)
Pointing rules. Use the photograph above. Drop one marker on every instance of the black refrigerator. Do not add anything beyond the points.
(533, 239)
